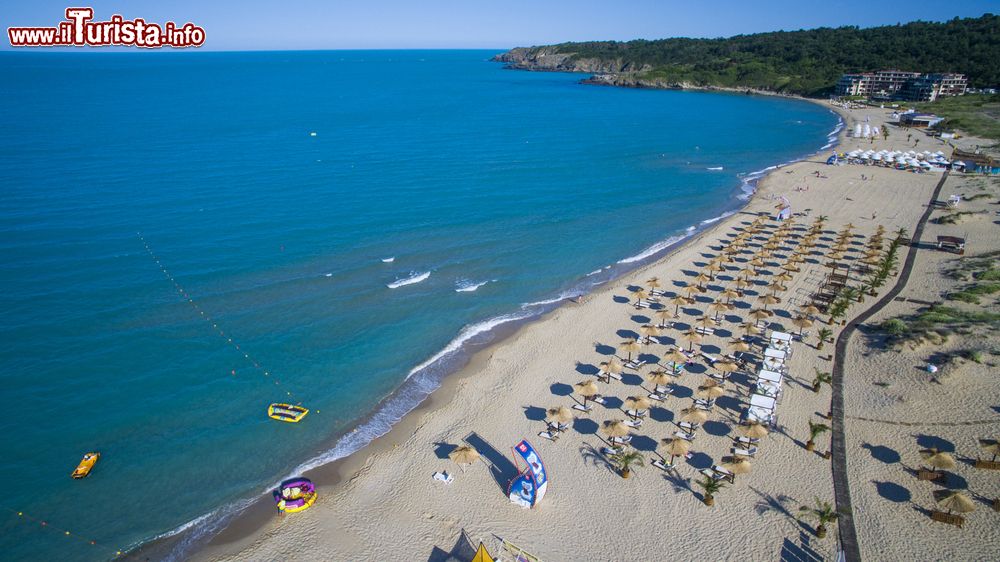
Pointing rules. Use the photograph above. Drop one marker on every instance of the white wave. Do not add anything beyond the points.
(718, 218)
(715, 168)
(466, 286)
(465, 335)
(658, 247)
(415, 278)
(327, 275)
(562, 296)
(389, 260)
(595, 272)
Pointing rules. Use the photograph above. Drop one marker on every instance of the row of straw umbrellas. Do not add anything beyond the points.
(710, 389)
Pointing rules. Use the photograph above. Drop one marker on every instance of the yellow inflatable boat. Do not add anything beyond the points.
(286, 412)
(86, 465)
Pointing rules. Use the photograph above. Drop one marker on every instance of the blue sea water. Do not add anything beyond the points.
(526, 186)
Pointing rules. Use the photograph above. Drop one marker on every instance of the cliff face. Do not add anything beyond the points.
(548, 58)
(603, 72)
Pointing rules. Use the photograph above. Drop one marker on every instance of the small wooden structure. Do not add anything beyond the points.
(952, 244)
(988, 465)
(949, 518)
(924, 474)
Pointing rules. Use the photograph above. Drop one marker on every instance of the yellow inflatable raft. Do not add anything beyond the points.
(86, 465)
(286, 412)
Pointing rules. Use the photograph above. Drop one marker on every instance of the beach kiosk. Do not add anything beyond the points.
(528, 488)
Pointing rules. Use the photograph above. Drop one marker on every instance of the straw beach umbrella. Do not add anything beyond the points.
(659, 378)
(937, 459)
(954, 501)
(701, 279)
(464, 455)
(629, 346)
(730, 294)
(648, 331)
(768, 299)
(614, 428)
(694, 415)
(586, 389)
(739, 465)
(717, 307)
(675, 356)
(710, 392)
(802, 322)
(706, 322)
(775, 287)
(559, 415)
(678, 302)
(725, 366)
(675, 447)
(751, 328)
(653, 283)
(991, 446)
(640, 295)
(635, 404)
(739, 345)
(809, 310)
(664, 317)
(753, 431)
(609, 368)
(693, 337)
(760, 314)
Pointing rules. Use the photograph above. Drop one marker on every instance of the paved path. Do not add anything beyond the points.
(841, 486)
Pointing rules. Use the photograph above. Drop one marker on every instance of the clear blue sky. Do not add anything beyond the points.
(494, 24)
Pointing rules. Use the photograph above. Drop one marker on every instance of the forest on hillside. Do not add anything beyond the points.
(809, 62)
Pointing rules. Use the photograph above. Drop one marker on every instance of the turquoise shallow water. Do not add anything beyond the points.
(526, 182)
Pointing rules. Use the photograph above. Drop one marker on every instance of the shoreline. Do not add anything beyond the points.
(253, 514)
(381, 493)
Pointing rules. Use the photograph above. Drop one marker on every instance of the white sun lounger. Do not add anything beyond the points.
(713, 474)
(633, 423)
(725, 473)
(769, 376)
(688, 426)
(444, 477)
(684, 436)
(635, 364)
(599, 400)
(661, 464)
(747, 441)
(549, 435)
(749, 452)
(582, 408)
(710, 358)
(656, 396)
(615, 376)
(621, 440)
(775, 353)
(705, 331)
(760, 401)
(704, 403)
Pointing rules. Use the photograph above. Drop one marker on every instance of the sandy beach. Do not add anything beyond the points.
(382, 503)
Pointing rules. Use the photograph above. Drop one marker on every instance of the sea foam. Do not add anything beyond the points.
(414, 278)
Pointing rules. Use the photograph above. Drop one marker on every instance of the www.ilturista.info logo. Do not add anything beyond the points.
(78, 31)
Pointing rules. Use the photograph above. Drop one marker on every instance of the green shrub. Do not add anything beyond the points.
(895, 327)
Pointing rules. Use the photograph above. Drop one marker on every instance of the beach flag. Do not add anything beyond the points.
(482, 555)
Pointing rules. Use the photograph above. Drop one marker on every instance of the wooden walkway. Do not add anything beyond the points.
(841, 485)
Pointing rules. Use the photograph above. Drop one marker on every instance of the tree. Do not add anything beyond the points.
(625, 460)
(711, 486)
(824, 335)
(821, 379)
(815, 429)
(823, 513)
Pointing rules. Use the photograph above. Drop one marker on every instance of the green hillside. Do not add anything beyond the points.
(809, 62)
